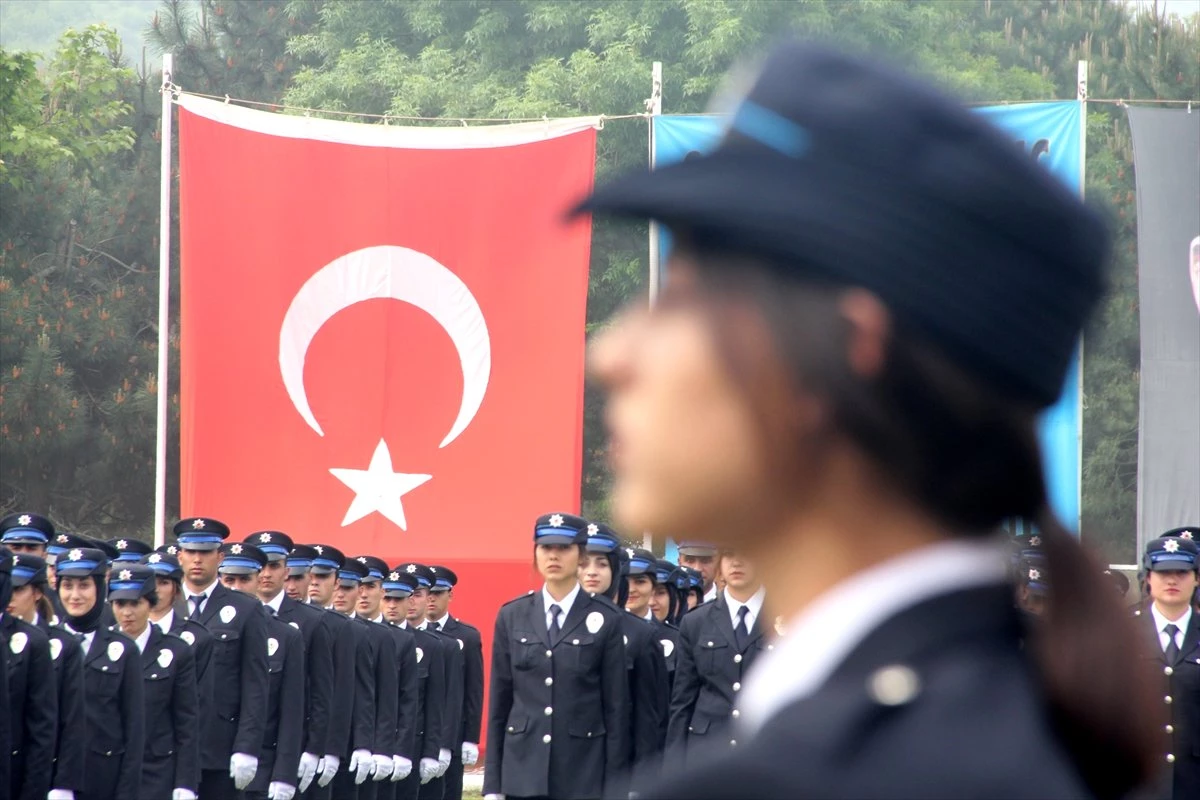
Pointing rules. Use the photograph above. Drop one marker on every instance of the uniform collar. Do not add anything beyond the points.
(1161, 622)
(276, 601)
(564, 604)
(711, 594)
(206, 591)
(144, 639)
(166, 622)
(441, 623)
(755, 604)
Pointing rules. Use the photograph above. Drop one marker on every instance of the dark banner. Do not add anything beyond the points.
(1167, 160)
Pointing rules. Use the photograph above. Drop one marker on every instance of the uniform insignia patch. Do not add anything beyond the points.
(460, 644)
(18, 641)
(236, 549)
(124, 575)
(594, 622)
(188, 637)
(24, 519)
(266, 537)
(556, 521)
(668, 647)
(1170, 545)
(272, 645)
(115, 651)
(593, 529)
(295, 625)
(75, 555)
(165, 657)
(197, 524)
(55, 649)
(420, 655)
(122, 544)
(154, 559)
(227, 613)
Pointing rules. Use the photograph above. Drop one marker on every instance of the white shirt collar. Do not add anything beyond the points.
(1161, 622)
(825, 632)
(37, 618)
(142, 640)
(755, 604)
(441, 623)
(564, 604)
(207, 591)
(167, 621)
(649, 615)
(276, 601)
(711, 594)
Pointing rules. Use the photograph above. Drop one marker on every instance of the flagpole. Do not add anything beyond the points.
(164, 298)
(1081, 94)
(654, 106)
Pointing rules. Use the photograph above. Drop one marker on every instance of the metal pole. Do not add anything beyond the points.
(164, 298)
(1081, 92)
(654, 106)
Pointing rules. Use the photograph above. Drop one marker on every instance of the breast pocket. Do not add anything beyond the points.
(711, 656)
(102, 690)
(527, 650)
(518, 725)
(582, 653)
(226, 664)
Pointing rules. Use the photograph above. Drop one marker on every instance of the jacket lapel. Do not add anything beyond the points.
(723, 622)
(150, 654)
(287, 607)
(1149, 629)
(537, 618)
(99, 646)
(210, 605)
(1191, 638)
(579, 610)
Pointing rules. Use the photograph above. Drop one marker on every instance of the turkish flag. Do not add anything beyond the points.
(382, 335)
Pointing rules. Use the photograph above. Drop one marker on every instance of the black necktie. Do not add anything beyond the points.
(439, 626)
(555, 610)
(197, 600)
(741, 631)
(1172, 651)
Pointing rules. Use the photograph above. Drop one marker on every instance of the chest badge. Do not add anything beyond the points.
(420, 655)
(18, 641)
(668, 647)
(188, 637)
(165, 657)
(55, 649)
(594, 622)
(227, 614)
(115, 651)
(272, 646)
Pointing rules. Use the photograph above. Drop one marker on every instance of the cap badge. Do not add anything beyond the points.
(362, 559)
(319, 549)
(173, 550)
(62, 537)
(154, 559)
(24, 519)
(272, 646)
(264, 537)
(556, 520)
(393, 576)
(1035, 541)
(18, 641)
(124, 575)
(1170, 545)
(115, 651)
(165, 657)
(236, 549)
(1185, 535)
(197, 524)
(122, 544)
(1035, 574)
(629, 552)
(593, 529)
(411, 569)
(188, 637)
(668, 647)
(228, 613)
(594, 622)
(75, 555)
(55, 649)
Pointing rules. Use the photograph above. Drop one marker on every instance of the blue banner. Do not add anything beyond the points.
(1049, 133)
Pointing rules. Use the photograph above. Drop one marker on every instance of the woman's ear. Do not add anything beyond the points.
(868, 330)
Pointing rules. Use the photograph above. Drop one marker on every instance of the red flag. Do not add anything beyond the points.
(383, 334)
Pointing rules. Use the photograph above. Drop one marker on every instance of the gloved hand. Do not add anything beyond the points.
(493, 797)
(361, 764)
(183, 794)
(278, 790)
(308, 770)
(328, 768)
(470, 754)
(242, 768)
(428, 769)
(401, 768)
(383, 767)
(61, 794)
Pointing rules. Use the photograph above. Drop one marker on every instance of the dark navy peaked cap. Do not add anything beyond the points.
(839, 170)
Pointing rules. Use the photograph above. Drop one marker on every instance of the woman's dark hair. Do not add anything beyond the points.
(45, 608)
(965, 453)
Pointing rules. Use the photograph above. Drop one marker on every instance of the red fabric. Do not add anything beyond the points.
(260, 214)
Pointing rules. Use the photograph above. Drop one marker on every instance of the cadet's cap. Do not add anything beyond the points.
(164, 565)
(963, 236)
(110, 551)
(26, 528)
(274, 544)
(398, 583)
(130, 549)
(130, 581)
(1170, 553)
(1186, 532)
(422, 573)
(300, 559)
(1034, 573)
(63, 541)
(27, 568)
(443, 579)
(6, 560)
(352, 573)
(200, 533)
(691, 547)
(376, 568)
(601, 538)
(241, 559)
(327, 559)
(170, 549)
(694, 578)
(1118, 579)
(664, 570)
(80, 562)
(560, 529)
(641, 562)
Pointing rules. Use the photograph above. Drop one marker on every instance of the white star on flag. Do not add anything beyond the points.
(378, 488)
(24, 519)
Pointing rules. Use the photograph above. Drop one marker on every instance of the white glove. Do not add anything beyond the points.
(493, 797)
(61, 794)
(242, 768)
(443, 761)
(401, 768)
(328, 768)
(183, 794)
(428, 769)
(278, 790)
(308, 770)
(470, 754)
(383, 767)
(361, 763)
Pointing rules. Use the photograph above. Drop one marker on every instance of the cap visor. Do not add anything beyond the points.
(124, 594)
(229, 570)
(319, 570)
(553, 538)
(397, 594)
(1178, 565)
(201, 546)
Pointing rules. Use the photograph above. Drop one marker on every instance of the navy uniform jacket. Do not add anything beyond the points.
(345, 681)
(201, 641)
(408, 705)
(430, 677)
(67, 657)
(668, 638)
(279, 757)
(234, 721)
(32, 709)
(171, 757)
(709, 671)
(1180, 680)
(472, 650)
(115, 710)
(559, 713)
(385, 678)
(939, 701)
(455, 665)
(318, 672)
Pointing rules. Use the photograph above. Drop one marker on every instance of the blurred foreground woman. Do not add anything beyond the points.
(872, 296)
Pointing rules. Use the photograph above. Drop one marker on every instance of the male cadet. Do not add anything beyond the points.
(232, 725)
(32, 702)
(321, 564)
(435, 787)
(35, 535)
(343, 598)
(384, 676)
(171, 753)
(129, 550)
(398, 588)
(702, 557)
(318, 648)
(279, 758)
(465, 753)
(28, 594)
(402, 669)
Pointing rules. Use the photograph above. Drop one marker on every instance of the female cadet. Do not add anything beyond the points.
(558, 718)
(114, 718)
(843, 380)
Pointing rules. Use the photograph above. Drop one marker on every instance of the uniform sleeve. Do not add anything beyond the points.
(407, 689)
(252, 712)
(185, 712)
(452, 725)
(683, 695)
(291, 713)
(500, 703)
(345, 670)
(472, 685)
(614, 683)
(68, 766)
(387, 678)
(435, 698)
(318, 658)
(133, 718)
(41, 716)
(364, 690)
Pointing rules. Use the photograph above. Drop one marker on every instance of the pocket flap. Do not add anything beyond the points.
(699, 725)
(517, 725)
(713, 644)
(580, 640)
(585, 730)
